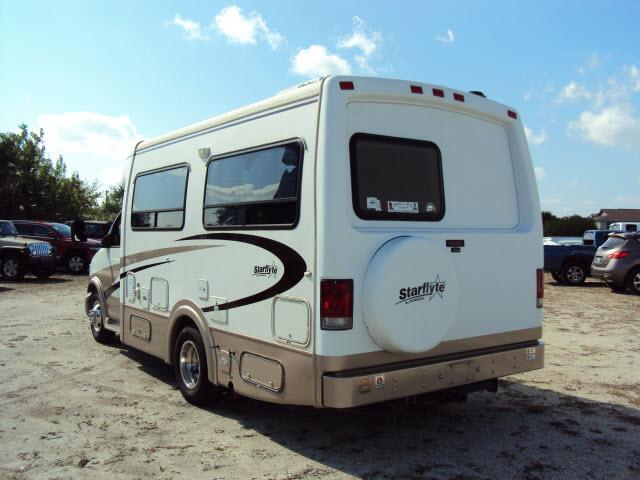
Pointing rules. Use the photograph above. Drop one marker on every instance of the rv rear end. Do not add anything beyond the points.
(429, 249)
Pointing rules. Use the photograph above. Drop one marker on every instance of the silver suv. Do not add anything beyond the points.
(617, 262)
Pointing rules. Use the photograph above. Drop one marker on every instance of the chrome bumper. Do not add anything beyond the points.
(344, 390)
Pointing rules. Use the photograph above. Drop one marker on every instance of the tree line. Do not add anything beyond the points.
(33, 186)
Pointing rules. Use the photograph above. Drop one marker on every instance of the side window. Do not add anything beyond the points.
(159, 199)
(24, 228)
(254, 189)
(41, 231)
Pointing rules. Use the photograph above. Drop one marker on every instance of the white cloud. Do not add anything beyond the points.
(361, 38)
(551, 201)
(627, 201)
(533, 138)
(614, 126)
(589, 203)
(190, 27)
(573, 183)
(238, 28)
(527, 96)
(365, 40)
(591, 64)
(573, 92)
(634, 78)
(448, 38)
(540, 173)
(94, 145)
(316, 61)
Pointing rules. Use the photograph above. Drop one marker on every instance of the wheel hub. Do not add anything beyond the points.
(189, 364)
(10, 268)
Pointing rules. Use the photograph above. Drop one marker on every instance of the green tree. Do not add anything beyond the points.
(572, 226)
(113, 202)
(32, 186)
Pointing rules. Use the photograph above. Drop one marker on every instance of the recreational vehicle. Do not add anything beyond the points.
(348, 241)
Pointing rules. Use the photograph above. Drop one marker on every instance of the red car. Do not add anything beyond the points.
(75, 256)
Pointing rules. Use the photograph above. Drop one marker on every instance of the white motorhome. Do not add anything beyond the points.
(348, 241)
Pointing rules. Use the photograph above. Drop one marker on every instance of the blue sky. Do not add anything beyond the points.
(98, 75)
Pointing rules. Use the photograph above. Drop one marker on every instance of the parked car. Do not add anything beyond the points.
(19, 255)
(617, 262)
(95, 229)
(569, 264)
(75, 256)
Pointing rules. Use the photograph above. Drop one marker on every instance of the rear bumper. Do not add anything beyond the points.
(609, 274)
(351, 389)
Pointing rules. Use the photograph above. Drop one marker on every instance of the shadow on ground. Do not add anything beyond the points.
(522, 432)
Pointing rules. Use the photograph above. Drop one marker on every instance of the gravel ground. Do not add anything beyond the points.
(72, 408)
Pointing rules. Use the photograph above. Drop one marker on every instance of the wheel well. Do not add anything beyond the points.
(78, 252)
(630, 273)
(181, 323)
(576, 261)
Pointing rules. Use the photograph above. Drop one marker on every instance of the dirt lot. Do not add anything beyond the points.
(71, 408)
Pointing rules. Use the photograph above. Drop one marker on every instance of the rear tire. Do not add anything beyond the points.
(557, 277)
(100, 334)
(12, 267)
(190, 367)
(633, 281)
(574, 273)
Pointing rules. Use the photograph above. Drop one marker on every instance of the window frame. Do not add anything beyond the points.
(386, 216)
(156, 211)
(277, 226)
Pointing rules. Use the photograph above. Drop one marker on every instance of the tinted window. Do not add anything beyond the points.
(613, 242)
(254, 188)
(62, 229)
(395, 178)
(24, 228)
(159, 198)
(7, 228)
(41, 231)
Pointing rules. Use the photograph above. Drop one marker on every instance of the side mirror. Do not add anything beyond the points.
(107, 241)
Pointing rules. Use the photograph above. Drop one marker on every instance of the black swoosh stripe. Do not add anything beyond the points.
(109, 291)
(294, 266)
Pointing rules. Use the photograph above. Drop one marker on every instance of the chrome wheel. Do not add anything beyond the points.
(76, 263)
(636, 282)
(95, 316)
(10, 268)
(189, 364)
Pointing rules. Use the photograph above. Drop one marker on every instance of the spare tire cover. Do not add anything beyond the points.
(410, 295)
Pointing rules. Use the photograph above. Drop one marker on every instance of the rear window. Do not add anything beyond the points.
(613, 242)
(396, 178)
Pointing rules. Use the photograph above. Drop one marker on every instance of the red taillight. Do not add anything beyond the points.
(346, 85)
(459, 97)
(618, 254)
(416, 89)
(539, 288)
(437, 92)
(336, 304)
(512, 114)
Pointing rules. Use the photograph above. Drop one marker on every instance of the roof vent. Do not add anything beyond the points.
(479, 93)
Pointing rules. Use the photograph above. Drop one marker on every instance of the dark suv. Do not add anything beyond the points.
(74, 255)
(617, 262)
(18, 254)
